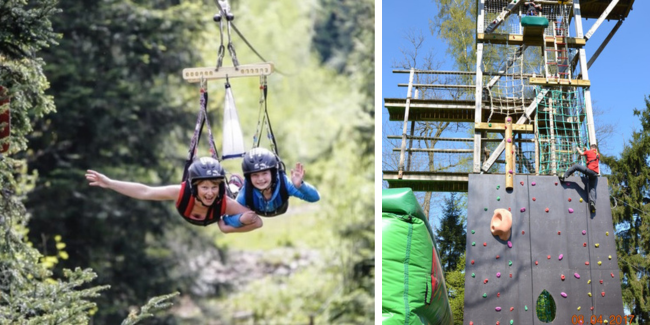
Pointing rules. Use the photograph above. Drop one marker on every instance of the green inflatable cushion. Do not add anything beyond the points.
(532, 21)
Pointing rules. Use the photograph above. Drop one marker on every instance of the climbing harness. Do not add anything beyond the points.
(224, 13)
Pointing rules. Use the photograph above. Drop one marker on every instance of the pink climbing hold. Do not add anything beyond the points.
(522, 183)
(512, 308)
(534, 199)
(584, 232)
(601, 281)
(546, 210)
(602, 293)
(498, 294)
(612, 274)
(509, 119)
(509, 140)
(509, 244)
(548, 257)
(497, 309)
(536, 263)
(584, 244)
(587, 263)
(563, 294)
(560, 257)
(559, 232)
(570, 210)
(533, 183)
(523, 209)
(497, 257)
(484, 244)
(485, 281)
(510, 171)
(576, 275)
(562, 277)
(498, 274)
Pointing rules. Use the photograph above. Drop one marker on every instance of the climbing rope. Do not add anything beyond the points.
(224, 12)
(264, 120)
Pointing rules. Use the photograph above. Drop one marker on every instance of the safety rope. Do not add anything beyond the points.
(263, 119)
(224, 12)
(200, 121)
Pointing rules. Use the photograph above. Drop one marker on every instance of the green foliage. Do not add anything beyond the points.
(630, 186)
(455, 280)
(154, 304)
(456, 23)
(450, 237)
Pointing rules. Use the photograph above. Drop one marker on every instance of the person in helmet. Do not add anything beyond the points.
(267, 188)
(591, 171)
(201, 199)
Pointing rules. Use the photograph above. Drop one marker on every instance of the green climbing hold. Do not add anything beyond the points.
(509, 263)
(498, 186)
(485, 295)
(498, 198)
(473, 243)
(489, 124)
(473, 231)
(525, 308)
(512, 322)
(473, 275)
(485, 209)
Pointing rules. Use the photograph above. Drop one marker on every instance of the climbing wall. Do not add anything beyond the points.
(553, 235)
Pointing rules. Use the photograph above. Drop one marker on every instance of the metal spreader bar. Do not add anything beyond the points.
(210, 73)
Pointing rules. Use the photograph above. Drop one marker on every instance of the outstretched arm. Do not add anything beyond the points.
(301, 189)
(135, 190)
(580, 151)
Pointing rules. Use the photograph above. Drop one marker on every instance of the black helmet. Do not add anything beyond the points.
(206, 168)
(259, 159)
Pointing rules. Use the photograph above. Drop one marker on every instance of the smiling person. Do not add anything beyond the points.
(201, 199)
(267, 188)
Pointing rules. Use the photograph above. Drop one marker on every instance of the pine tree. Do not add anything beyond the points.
(450, 236)
(630, 186)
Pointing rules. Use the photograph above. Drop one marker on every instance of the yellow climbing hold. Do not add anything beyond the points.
(588, 282)
(578, 307)
(597, 245)
(610, 257)
(607, 233)
(580, 201)
(589, 293)
(599, 262)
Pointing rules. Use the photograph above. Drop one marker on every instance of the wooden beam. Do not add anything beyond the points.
(501, 127)
(211, 73)
(559, 82)
(516, 39)
(436, 150)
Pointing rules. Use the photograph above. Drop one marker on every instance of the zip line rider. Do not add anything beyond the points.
(201, 199)
(267, 188)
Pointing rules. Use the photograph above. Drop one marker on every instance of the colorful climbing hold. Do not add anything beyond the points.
(473, 232)
(562, 277)
(509, 210)
(498, 198)
(592, 308)
(489, 124)
(563, 294)
(484, 295)
(555, 183)
(498, 294)
(534, 199)
(559, 232)
(587, 263)
(485, 281)
(610, 257)
(599, 262)
(578, 307)
(522, 183)
(498, 186)
(509, 244)
(536, 263)
(473, 275)
(497, 257)
(569, 199)
(533, 183)
(584, 232)
(509, 140)
(546, 210)
(511, 273)
(607, 233)
(484, 244)
(472, 262)
(497, 308)
(508, 119)
(560, 257)
(580, 199)
(523, 209)
(589, 294)
(597, 245)
(601, 281)
(485, 209)
(612, 274)
(589, 281)
(523, 232)
(602, 293)
(512, 322)
(512, 308)
(526, 307)
(510, 171)
(584, 244)
(498, 274)
(576, 275)
(570, 210)
(471, 323)
(473, 243)
(548, 257)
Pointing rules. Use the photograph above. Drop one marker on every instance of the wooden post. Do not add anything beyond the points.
(510, 168)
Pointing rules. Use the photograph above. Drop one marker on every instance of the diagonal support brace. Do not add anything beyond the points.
(503, 15)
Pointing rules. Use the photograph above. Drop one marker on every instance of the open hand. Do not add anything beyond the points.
(97, 179)
(297, 174)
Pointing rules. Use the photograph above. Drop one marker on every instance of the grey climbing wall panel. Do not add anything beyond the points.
(540, 236)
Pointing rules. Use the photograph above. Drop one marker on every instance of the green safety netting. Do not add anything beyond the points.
(561, 126)
(413, 284)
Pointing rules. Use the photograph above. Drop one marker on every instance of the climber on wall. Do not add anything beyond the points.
(592, 170)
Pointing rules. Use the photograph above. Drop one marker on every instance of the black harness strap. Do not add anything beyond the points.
(198, 129)
(265, 119)
(284, 196)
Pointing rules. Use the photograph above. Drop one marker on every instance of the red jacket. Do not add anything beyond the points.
(592, 160)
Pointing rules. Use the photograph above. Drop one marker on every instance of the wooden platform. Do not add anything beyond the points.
(516, 39)
(440, 110)
(559, 82)
(595, 8)
(428, 181)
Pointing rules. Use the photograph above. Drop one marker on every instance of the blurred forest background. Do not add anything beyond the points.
(97, 84)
